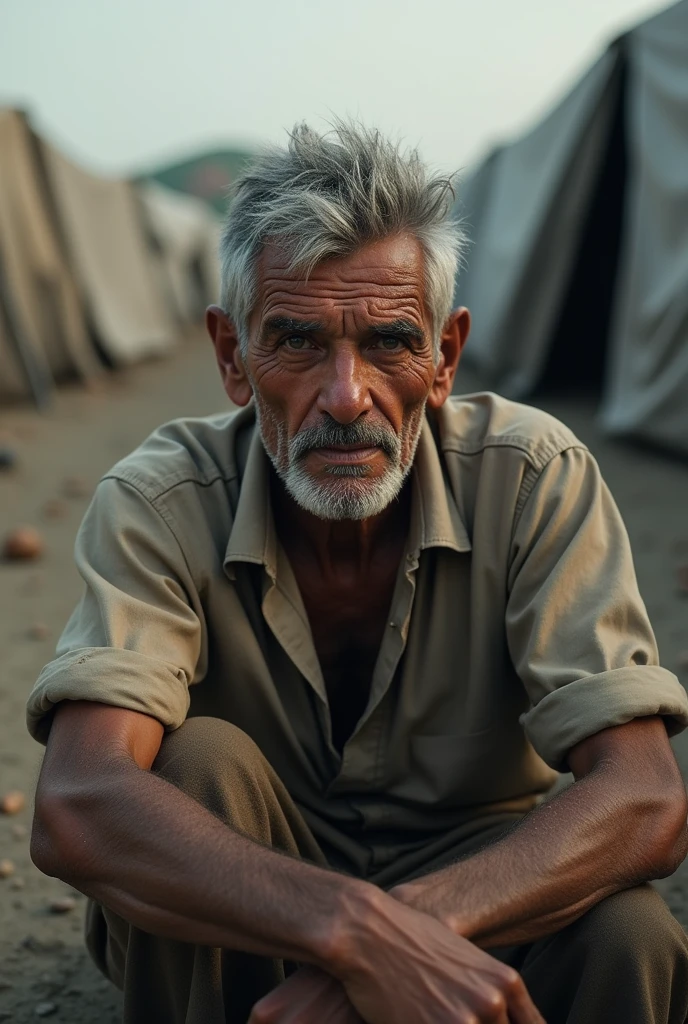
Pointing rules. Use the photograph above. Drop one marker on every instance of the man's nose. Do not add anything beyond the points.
(344, 393)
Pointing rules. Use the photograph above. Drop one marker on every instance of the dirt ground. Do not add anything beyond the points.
(44, 971)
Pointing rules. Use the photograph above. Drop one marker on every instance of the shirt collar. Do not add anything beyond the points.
(435, 517)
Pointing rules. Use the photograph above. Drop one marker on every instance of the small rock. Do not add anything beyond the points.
(55, 508)
(19, 831)
(23, 544)
(8, 458)
(6, 868)
(75, 487)
(62, 905)
(45, 1009)
(13, 802)
(17, 883)
(39, 631)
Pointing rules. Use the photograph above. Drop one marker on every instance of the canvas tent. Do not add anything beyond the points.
(578, 270)
(185, 235)
(91, 266)
(42, 319)
(108, 248)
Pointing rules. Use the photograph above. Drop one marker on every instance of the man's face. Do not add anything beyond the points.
(341, 367)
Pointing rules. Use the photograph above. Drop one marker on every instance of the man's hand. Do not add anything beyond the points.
(420, 973)
(407, 968)
(310, 996)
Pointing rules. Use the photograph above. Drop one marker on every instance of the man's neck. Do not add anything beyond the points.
(349, 546)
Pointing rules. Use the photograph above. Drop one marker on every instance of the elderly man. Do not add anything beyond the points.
(333, 649)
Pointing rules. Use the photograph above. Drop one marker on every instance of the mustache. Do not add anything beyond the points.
(333, 435)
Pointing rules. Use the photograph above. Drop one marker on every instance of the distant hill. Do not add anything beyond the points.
(207, 176)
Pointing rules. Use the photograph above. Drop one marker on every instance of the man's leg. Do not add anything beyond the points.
(163, 980)
(624, 962)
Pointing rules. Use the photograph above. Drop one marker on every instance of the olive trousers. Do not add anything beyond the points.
(624, 962)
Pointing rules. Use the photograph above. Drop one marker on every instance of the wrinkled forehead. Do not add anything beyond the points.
(385, 277)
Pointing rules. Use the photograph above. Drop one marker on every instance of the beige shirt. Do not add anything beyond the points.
(516, 628)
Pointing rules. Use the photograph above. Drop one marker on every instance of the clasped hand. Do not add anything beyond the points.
(417, 972)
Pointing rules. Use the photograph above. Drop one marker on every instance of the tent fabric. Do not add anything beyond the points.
(39, 293)
(109, 251)
(525, 227)
(536, 210)
(186, 236)
(14, 381)
(647, 392)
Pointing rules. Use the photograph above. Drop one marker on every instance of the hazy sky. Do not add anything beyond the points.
(124, 83)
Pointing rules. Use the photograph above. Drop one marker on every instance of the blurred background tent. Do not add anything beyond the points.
(43, 318)
(577, 276)
(94, 271)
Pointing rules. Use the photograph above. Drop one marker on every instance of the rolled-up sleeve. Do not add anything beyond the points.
(134, 638)
(578, 632)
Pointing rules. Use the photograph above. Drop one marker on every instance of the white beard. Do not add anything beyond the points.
(349, 492)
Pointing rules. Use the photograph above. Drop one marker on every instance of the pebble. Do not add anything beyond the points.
(6, 868)
(75, 487)
(45, 1009)
(13, 802)
(23, 544)
(8, 458)
(19, 831)
(17, 883)
(39, 631)
(62, 905)
(55, 508)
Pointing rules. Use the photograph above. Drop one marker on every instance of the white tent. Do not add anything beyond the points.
(579, 263)
(107, 245)
(42, 310)
(186, 234)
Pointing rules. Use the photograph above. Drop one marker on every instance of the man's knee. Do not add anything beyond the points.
(632, 926)
(205, 746)
(220, 766)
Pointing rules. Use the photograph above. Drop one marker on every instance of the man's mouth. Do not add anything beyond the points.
(347, 454)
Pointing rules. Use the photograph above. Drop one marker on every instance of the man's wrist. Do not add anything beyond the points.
(356, 927)
(429, 896)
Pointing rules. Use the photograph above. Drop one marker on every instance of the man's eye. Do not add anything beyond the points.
(388, 343)
(297, 342)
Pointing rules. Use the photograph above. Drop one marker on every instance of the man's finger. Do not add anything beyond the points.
(522, 1009)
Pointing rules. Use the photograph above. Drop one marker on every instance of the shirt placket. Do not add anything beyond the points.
(362, 764)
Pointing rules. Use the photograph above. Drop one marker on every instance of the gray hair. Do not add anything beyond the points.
(325, 197)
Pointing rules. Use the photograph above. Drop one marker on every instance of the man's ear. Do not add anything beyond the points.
(225, 339)
(452, 340)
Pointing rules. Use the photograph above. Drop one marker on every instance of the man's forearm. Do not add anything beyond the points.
(587, 843)
(167, 865)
